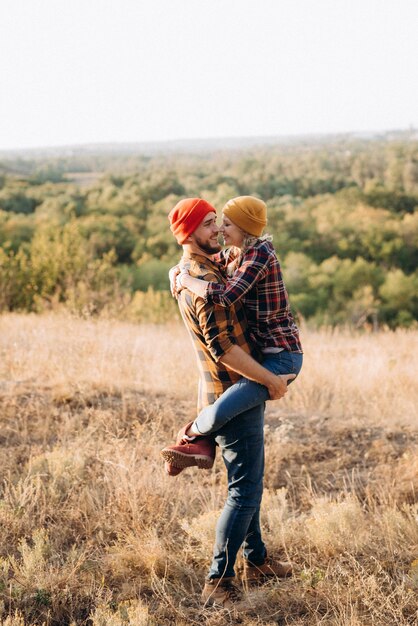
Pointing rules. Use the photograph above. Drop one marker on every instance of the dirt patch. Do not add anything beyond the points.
(322, 457)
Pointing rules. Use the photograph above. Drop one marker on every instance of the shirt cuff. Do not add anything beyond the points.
(214, 289)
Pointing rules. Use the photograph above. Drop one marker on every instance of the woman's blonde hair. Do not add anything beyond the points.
(249, 240)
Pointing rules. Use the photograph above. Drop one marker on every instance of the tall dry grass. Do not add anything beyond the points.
(93, 532)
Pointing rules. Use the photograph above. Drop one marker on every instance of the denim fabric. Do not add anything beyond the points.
(246, 394)
(241, 441)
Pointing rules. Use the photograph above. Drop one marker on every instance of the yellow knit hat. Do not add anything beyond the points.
(247, 212)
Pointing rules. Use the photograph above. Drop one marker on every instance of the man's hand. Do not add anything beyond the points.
(278, 385)
(242, 363)
(172, 274)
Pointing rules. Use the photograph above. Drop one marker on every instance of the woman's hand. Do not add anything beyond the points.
(175, 274)
(172, 275)
(179, 280)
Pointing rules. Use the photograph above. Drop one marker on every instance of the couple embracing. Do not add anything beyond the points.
(236, 309)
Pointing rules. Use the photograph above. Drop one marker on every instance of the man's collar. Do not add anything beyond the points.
(199, 258)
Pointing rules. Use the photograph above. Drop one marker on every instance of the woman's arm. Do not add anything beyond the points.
(254, 267)
(195, 285)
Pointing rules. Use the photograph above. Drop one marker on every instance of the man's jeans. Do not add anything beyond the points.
(246, 394)
(241, 441)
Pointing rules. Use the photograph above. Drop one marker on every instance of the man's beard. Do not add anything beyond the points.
(208, 248)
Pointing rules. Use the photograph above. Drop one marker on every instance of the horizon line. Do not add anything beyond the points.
(186, 140)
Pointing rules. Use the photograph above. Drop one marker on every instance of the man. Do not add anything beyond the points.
(224, 352)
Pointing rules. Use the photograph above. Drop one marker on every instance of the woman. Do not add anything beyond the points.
(254, 276)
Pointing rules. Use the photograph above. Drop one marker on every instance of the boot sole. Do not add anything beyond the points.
(181, 460)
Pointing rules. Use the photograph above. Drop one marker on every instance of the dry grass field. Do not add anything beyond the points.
(93, 532)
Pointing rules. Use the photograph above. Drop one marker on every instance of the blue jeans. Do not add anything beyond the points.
(246, 394)
(241, 441)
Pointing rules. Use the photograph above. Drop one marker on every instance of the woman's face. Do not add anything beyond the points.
(232, 234)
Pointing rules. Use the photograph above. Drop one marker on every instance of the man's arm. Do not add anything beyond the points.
(242, 363)
(216, 327)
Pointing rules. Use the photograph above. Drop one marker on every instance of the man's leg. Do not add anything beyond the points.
(258, 567)
(245, 394)
(242, 445)
(254, 549)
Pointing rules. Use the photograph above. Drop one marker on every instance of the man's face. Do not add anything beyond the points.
(205, 237)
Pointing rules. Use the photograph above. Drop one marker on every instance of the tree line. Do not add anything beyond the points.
(343, 215)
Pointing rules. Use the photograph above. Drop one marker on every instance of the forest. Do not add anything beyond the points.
(88, 231)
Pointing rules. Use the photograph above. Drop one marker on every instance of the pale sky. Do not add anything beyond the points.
(87, 71)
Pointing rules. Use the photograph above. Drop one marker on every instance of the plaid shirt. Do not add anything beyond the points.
(213, 329)
(257, 282)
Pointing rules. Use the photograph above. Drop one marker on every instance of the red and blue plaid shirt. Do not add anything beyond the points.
(258, 283)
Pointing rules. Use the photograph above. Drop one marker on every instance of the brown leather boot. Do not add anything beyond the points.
(269, 569)
(221, 592)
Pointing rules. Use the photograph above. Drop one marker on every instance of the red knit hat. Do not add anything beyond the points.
(186, 217)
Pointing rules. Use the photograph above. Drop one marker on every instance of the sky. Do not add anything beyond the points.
(92, 71)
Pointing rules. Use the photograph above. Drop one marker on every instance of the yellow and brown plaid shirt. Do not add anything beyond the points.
(213, 330)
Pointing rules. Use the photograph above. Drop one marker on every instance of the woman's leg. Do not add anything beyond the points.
(245, 394)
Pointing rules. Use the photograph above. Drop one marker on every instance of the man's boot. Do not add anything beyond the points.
(271, 568)
(221, 592)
